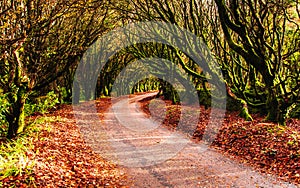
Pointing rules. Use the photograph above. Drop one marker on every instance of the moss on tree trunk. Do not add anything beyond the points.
(16, 114)
(277, 111)
(244, 113)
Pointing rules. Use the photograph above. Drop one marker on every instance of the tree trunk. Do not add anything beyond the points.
(17, 97)
(76, 93)
(277, 111)
(244, 113)
(87, 93)
(16, 114)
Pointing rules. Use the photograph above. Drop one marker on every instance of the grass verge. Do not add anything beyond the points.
(16, 164)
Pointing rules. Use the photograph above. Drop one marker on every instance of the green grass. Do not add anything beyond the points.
(14, 158)
(13, 153)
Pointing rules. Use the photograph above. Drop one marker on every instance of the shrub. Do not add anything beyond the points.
(42, 104)
(4, 105)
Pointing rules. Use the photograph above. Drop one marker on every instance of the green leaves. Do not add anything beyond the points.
(42, 104)
(4, 105)
(13, 158)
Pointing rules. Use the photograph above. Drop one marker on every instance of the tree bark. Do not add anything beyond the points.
(16, 114)
(277, 110)
(76, 93)
(244, 113)
(18, 93)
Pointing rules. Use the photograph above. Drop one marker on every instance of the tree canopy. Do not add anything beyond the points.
(40, 42)
(255, 42)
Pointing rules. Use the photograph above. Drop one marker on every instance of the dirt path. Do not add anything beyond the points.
(157, 157)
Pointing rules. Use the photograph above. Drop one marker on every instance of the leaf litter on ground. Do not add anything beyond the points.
(268, 147)
(62, 158)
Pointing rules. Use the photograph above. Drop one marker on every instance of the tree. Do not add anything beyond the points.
(186, 14)
(40, 41)
(266, 35)
(255, 42)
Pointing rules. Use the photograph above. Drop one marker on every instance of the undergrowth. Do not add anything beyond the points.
(16, 155)
(41, 104)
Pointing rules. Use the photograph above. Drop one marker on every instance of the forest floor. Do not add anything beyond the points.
(62, 158)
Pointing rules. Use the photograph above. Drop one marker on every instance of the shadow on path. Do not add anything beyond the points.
(157, 157)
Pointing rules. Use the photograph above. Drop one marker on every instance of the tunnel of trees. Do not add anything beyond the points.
(256, 44)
